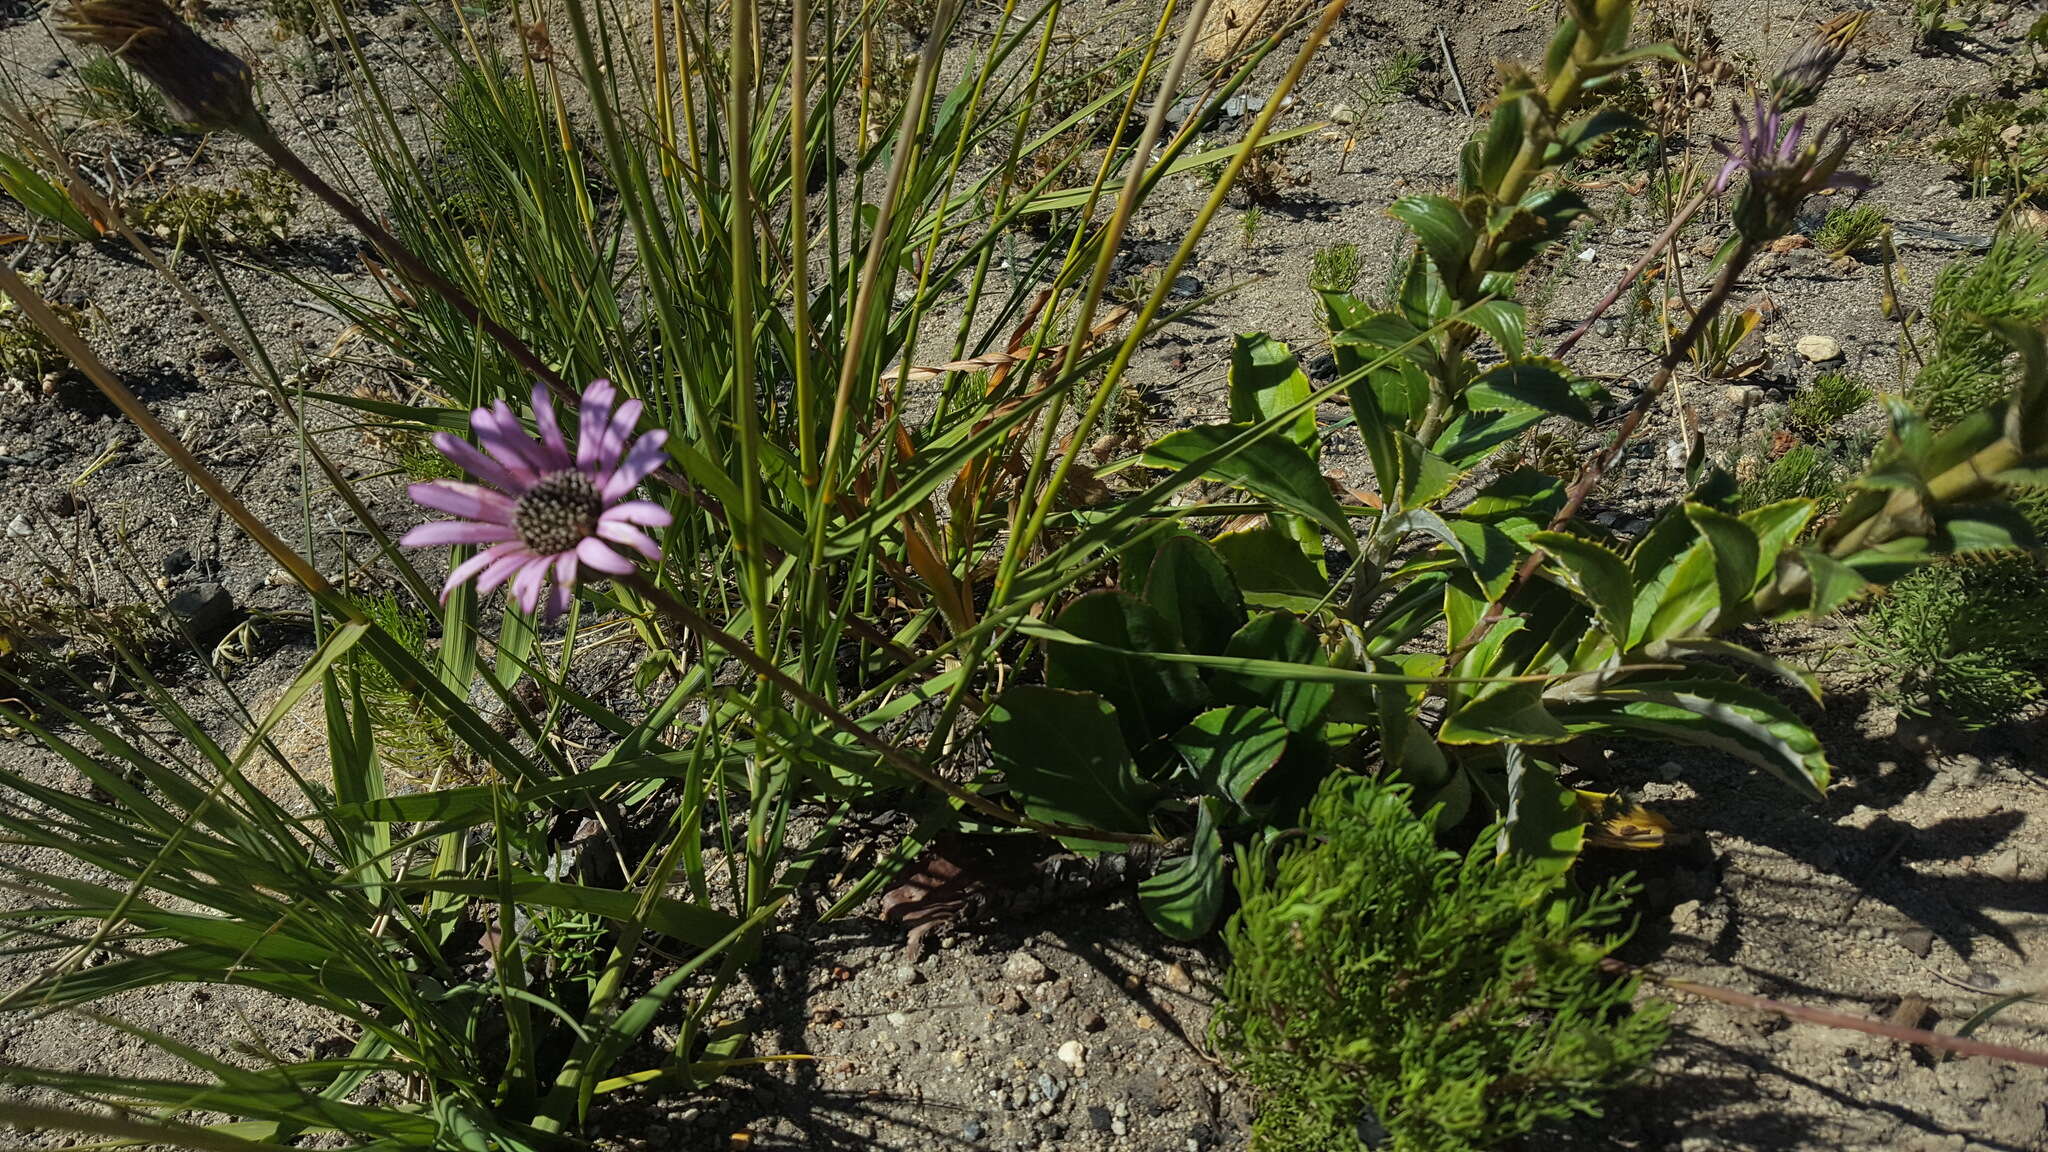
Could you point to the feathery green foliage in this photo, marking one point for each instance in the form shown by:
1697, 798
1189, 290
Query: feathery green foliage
1384, 992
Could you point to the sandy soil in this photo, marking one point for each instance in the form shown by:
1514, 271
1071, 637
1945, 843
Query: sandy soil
1917, 886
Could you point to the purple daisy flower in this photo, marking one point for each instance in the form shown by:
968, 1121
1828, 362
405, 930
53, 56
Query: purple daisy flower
1785, 163
542, 507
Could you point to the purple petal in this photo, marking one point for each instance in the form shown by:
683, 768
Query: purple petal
508, 440
550, 427
639, 464
469, 501
457, 532
526, 586
642, 512
612, 446
473, 565
565, 583
631, 537
466, 457
504, 567
595, 415
593, 552
1728, 171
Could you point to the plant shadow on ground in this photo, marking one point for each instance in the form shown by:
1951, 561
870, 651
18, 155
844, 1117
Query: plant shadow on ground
1699, 1104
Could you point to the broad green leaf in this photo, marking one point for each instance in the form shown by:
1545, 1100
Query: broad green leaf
1542, 819
1266, 380
1987, 527
1538, 384
1596, 574
1717, 713
1446, 235
1184, 898
1473, 436
1190, 586
1270, 569
1503, 713
1776, 527
1269, 467
1834, 583
1737, 557
1230, 749
1425, 476
1277, 636
1504, 320
1677, 599
1150, 697
1062, 755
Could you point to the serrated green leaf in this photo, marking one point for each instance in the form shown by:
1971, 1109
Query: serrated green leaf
1722, 714
1737, 563
1503, 713
1597, 574
1541, 820
1530, 384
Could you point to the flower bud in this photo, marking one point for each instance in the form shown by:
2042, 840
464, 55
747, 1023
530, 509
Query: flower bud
204, 85
1798, 84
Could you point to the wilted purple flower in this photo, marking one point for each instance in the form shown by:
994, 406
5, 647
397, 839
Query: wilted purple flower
540, 506
1785, 165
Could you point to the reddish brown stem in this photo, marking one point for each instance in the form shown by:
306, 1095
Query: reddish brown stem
1657, 246
1961, 1045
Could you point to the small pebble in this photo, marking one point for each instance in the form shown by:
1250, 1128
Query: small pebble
972, 1131
1024, 968
1073, 1054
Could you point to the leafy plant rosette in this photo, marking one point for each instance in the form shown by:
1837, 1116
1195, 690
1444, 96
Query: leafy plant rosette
1461, 626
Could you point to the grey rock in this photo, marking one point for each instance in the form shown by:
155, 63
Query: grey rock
19, 527
2004, 866
1918, 941
206, 611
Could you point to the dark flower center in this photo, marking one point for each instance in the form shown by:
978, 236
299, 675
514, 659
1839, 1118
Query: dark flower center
557, 512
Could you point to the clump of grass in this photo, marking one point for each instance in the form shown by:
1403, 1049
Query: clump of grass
1398, 78
1968, 640
1382, 990
1820, 405
256, 210
1849, 230
1335, 268
1804, 471
1970, 365
108, 91
1248, 225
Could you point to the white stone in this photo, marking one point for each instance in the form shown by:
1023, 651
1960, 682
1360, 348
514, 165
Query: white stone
1818, 349
1073, 1054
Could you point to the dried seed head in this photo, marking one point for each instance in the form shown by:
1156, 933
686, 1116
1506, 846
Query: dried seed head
204, 85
